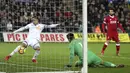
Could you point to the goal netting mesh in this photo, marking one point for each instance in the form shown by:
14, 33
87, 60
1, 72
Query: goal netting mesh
54, 53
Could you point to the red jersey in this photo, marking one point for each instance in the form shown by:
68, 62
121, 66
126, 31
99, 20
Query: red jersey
112, 23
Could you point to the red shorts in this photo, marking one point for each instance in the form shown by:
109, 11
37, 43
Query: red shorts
113, 37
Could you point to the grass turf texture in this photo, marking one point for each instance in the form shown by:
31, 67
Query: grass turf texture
54, 56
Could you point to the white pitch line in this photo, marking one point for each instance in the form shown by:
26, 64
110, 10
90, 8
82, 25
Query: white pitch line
54, 72
31, 66
60, 70
117, 57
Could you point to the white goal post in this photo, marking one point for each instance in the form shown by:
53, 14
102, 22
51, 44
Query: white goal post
84, 18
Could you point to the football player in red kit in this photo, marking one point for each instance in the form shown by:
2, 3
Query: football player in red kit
111, 24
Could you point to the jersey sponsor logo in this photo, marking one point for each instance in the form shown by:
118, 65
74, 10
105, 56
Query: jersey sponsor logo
112, 22
38, 27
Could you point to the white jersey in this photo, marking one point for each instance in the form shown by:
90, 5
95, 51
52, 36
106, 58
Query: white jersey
35, 30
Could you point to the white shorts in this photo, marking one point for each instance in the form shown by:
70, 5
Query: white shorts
32, 42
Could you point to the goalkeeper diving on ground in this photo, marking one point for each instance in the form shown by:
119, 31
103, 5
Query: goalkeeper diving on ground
75, 47
35, 28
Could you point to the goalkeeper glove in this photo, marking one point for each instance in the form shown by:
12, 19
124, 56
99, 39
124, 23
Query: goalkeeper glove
68, 66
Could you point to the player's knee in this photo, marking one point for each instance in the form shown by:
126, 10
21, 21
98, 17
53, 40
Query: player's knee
24, 45
36, 47
106, 43
117, 42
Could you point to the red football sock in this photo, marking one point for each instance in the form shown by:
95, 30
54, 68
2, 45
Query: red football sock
104, 47
117, 48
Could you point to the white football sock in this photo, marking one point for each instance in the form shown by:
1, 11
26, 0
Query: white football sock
37, 52
15, 50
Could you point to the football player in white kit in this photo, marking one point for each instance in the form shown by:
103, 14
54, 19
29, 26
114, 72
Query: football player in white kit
35, 28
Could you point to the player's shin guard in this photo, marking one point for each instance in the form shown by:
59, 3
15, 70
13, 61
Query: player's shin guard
104, 47
37, 52
117, 49
15, 50
109, 64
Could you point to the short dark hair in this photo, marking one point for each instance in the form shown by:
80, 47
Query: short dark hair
110, 8
70, 36
34, 17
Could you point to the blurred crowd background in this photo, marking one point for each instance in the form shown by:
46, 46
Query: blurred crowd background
17, 13
68, 13
98, 9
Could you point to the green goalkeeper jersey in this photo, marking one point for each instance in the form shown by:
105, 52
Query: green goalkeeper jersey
76, 49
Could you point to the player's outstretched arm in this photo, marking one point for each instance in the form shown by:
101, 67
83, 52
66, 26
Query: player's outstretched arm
71, 58
51, 26
21, 29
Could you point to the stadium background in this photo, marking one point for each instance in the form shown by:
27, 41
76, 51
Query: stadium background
17, 13
68, 13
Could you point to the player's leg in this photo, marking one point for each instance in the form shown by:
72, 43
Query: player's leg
97, 61
116, 39
24, 45
111, 65
117, 48
36, 47
108, 64
105, 45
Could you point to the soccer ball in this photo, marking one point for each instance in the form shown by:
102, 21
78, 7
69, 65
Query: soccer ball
21, 50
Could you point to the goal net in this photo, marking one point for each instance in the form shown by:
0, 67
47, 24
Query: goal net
54, 51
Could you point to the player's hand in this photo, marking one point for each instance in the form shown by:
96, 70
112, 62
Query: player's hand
67, 66
57, 24
77, 65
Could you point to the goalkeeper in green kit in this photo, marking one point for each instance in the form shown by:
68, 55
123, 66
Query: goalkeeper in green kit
75, 47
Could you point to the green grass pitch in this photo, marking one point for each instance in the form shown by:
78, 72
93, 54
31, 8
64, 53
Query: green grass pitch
54, 56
